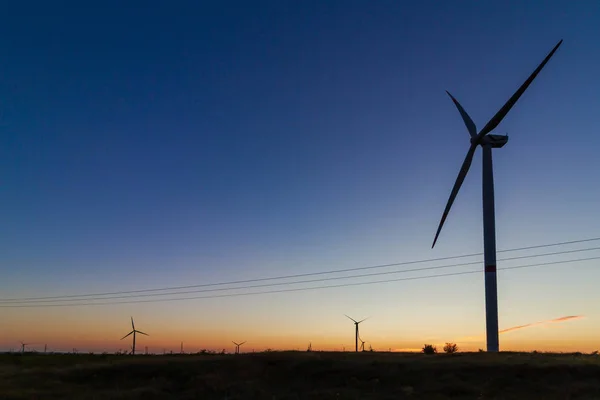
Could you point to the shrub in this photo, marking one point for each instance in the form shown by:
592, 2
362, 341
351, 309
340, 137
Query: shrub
429, 349
450, 348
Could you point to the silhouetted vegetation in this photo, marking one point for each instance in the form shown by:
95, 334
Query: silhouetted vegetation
429, 349
300, 375
450, 348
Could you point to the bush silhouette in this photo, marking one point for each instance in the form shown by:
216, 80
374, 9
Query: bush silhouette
429, 349
450, 348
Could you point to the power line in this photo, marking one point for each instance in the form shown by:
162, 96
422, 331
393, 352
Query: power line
297, 282
295, 275
296, 289
539, 246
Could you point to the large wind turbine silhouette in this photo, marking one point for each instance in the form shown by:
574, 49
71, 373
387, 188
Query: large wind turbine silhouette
133, 331
237, 347
356, 331
488, 142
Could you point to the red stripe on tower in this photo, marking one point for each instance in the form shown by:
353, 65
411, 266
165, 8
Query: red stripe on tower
490, 268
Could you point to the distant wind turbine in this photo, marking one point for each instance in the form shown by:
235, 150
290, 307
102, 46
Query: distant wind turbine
133, 331
23, 346
362, 344
488, 142
237, 347
356, 331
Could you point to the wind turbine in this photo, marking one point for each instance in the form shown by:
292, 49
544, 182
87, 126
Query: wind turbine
356, 331
362, 344
488, 142
237, 347
133, 331
23, 346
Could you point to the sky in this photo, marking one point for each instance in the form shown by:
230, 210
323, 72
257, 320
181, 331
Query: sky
164, 144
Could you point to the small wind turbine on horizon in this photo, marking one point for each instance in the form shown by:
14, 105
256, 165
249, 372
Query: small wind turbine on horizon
356, 331
362, 344
488, 142
23, 346
237, 346
133, 331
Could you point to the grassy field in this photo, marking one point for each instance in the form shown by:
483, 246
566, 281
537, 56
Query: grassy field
301, 375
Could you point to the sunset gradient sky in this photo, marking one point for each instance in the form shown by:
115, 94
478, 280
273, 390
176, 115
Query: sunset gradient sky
148, 144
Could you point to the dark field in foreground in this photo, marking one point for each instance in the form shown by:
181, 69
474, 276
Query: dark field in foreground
297, 375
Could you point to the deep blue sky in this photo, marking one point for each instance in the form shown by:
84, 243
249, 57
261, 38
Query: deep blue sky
156, 143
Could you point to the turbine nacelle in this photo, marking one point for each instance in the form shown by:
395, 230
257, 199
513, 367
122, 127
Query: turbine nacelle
496, 141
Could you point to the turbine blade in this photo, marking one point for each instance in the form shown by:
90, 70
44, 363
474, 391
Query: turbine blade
363, 320
459, 181
242, 342
511, 102
126, 335
132, 325
142, 333
234, 343
468, 121
352, 319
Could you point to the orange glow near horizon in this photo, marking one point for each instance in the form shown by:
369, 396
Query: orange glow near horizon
69, 335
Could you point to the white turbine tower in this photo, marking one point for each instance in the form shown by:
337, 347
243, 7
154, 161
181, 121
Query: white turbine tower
488, 142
